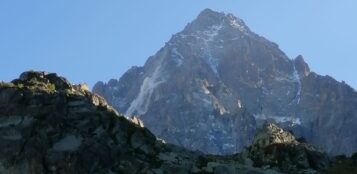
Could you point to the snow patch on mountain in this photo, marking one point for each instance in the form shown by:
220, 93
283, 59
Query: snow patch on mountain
211, 61
205, 38
298, 81
211, 33
141, 103
177, 56
237, 23
208, 38
239, 104
206, 35
205, 90
294, 78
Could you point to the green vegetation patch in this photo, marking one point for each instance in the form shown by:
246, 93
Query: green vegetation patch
51, 87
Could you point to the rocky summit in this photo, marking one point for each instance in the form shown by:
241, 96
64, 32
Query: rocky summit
215, 83
48, 125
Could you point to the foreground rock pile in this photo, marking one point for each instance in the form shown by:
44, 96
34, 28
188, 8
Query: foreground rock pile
278, 149
48, 125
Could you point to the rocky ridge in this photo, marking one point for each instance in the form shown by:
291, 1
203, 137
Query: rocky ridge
48, 125
212, 85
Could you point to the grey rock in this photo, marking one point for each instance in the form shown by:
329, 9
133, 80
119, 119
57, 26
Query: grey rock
215, 83
41, 133
68, 143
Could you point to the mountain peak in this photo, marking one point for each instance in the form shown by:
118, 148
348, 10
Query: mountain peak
211, 15
217, 82
209, 11
209, 18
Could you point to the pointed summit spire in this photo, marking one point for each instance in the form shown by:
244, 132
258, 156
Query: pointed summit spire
208, 18
210, 14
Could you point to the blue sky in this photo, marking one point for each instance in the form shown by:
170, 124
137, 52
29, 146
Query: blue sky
91, 40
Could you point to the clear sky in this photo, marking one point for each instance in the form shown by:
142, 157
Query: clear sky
91, 40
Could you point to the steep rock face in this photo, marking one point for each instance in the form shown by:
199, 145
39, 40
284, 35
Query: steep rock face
48, 125
216, 81
329, 112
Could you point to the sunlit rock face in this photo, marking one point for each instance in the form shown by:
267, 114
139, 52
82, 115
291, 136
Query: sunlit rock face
275, 147
215, 82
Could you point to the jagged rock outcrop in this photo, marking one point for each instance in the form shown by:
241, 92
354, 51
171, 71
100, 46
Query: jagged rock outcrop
214, 83
48, 125
278, 149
